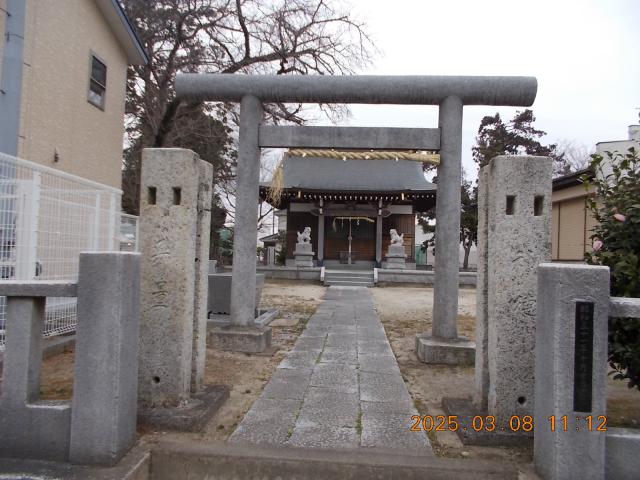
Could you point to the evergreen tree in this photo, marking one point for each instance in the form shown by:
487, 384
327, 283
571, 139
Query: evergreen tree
516, 137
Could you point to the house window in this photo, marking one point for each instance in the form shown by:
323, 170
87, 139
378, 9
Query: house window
97, 83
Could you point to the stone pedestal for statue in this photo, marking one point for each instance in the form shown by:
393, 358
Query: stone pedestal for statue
396, 258
303, 255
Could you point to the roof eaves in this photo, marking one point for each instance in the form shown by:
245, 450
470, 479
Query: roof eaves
611, 141
571, 179
274, 237
124, 31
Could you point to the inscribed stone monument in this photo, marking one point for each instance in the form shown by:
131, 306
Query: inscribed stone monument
174, 246
514, 239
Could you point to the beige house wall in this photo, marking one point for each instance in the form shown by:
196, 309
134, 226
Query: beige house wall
572, 223
56, 118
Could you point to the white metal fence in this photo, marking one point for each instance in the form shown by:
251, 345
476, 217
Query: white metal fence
47, 218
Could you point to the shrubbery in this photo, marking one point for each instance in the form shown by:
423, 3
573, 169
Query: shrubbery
616, 244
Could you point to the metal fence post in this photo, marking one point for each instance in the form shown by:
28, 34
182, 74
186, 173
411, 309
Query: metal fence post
112, 222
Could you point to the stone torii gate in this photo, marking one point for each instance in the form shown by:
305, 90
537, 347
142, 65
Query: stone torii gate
450, 93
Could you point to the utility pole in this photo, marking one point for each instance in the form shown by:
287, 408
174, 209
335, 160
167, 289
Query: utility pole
11, 79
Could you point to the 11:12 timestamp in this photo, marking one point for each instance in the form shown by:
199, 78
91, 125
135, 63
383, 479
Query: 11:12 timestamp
591, 423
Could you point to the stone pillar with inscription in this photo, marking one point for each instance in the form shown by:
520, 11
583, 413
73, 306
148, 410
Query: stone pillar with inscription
174, 224
517, 239
571, 371
514, 237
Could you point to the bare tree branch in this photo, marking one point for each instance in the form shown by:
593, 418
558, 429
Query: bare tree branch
284, 37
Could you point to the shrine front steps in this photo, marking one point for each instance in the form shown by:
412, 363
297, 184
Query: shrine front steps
349, 278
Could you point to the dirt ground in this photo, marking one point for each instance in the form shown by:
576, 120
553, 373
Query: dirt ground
405, 311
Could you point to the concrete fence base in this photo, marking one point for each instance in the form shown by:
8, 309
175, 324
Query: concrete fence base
99, 425
571, 439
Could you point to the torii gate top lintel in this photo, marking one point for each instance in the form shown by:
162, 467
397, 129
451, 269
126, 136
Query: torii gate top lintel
370, 89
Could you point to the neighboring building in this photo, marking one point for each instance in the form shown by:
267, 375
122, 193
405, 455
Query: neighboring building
572, 223
273, 243
351, 206
427, 258
63, 74
619, 146
71, 92
270, 243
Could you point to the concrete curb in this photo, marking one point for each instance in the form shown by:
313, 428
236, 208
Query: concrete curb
197, 461
134, 466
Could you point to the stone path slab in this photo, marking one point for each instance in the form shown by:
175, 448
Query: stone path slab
340, 386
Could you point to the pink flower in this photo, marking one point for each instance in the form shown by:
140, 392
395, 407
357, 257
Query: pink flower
619, 217
597, 245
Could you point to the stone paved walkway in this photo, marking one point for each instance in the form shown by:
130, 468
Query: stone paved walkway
340, 386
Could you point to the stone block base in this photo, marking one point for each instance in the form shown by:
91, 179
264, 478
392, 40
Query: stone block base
303, 255
263, 318
440, 351
192, 417
304, 263
395, 264
503, 435
396, 258
241, 339
304, 260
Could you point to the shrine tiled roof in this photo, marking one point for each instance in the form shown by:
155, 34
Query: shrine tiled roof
328, 174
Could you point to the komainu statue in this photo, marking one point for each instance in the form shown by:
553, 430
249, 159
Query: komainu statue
395, 238
305, 236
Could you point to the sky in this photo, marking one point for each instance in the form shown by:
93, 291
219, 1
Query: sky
585, 55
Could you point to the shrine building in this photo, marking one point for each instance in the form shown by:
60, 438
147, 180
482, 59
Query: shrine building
351, 206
